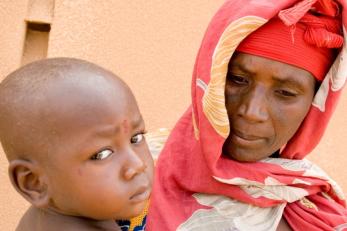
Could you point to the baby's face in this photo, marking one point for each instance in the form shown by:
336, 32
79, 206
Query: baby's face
101, 167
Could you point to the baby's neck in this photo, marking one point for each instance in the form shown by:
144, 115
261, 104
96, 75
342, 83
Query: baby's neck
41, 220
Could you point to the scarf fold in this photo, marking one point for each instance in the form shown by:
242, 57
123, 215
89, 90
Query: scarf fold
196, 188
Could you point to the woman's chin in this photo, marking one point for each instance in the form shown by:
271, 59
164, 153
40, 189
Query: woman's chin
243, 157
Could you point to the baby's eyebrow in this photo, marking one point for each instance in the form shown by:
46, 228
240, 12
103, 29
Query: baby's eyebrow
112, 130
108, 130
137, 122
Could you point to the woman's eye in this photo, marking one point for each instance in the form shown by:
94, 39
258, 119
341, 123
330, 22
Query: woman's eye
102, 155
238, 79
286, 93
137, 138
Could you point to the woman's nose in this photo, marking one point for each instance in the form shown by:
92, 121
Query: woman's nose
253, 106
134, 165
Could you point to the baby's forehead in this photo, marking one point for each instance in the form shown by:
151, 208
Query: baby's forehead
62, 75
55, 68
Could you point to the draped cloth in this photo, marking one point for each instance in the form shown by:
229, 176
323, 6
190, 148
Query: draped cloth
198, 188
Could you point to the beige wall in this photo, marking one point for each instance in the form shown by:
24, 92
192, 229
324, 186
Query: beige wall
150, 44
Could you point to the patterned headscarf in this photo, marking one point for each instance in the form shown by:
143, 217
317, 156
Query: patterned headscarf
198, 188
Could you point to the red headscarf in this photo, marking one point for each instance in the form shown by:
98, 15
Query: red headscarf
306, 45
197, 188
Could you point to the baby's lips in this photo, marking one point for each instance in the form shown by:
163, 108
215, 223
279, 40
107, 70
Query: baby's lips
141, 194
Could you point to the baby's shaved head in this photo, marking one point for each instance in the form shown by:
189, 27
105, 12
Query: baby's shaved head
35, 98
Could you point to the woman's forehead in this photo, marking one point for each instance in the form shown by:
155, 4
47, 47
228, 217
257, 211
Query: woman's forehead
256, 65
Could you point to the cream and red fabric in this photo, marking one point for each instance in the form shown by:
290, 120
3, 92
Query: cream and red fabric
197, 188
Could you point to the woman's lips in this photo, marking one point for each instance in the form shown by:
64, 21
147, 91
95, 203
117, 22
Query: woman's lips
141, 195
246, 139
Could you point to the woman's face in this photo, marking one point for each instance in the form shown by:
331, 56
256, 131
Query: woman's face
266, 101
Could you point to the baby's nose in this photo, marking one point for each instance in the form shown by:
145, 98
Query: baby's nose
134, 165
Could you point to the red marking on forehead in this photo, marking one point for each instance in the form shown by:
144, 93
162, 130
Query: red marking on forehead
79, 172
125, 126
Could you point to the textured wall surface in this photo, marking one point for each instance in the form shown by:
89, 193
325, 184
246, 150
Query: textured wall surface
12, 14
150, 44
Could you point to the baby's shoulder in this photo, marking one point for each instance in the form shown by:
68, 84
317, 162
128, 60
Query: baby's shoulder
38, 220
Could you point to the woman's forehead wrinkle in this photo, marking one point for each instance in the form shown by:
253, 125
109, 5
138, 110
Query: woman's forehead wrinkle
281, 73
242, 65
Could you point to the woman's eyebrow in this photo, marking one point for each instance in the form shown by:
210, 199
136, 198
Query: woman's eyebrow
289, 80
241, 67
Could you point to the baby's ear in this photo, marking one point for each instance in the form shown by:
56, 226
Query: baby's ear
29, 181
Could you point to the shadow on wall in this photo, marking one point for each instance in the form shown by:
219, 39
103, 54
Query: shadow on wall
38, 25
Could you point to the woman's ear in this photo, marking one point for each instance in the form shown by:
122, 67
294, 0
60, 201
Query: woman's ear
29, 181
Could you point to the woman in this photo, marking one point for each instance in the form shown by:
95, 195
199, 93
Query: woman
265, 84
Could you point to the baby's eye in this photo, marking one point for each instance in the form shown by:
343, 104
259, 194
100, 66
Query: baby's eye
137, 138
102, 155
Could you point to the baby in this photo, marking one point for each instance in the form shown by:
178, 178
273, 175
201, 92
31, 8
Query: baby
74, 138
